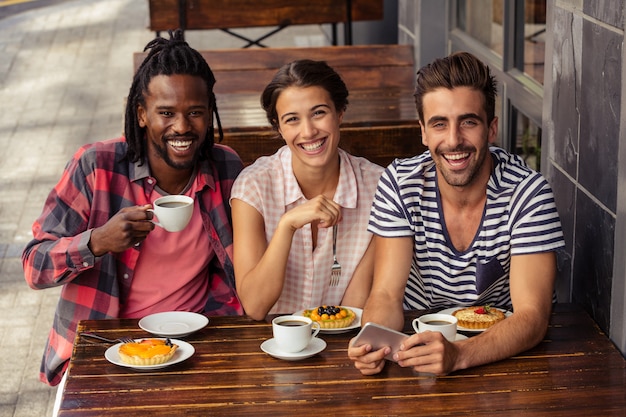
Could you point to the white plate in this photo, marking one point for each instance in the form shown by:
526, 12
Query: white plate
184, 351
173, 323
465, 329
316, 346
355, 324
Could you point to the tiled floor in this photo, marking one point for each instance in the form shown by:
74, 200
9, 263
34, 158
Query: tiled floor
64, 73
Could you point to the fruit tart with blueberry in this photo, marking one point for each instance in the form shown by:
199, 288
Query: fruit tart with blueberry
331, 317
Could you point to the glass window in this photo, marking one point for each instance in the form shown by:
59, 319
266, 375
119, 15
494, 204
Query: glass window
501, 122
510, 36
534, 38
486, 21
482, 20
527, 140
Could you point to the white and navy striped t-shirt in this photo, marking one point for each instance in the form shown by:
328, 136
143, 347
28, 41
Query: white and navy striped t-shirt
520, 218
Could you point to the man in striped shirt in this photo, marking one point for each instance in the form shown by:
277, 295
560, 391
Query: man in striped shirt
463, 224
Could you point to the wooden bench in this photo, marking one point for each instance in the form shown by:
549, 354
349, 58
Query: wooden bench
228, 14
360, 66
380, 144
379, 124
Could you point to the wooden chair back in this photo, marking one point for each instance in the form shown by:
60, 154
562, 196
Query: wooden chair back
220, 14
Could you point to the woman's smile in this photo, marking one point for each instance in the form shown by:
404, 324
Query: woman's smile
313, 146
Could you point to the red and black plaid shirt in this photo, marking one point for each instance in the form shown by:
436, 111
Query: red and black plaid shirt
95, 185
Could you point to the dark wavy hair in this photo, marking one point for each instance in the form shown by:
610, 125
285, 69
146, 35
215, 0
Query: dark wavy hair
303, 73
460, 69
167, 57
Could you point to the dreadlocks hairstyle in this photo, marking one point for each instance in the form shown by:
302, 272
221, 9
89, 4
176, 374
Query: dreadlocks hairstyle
166, 57
460, 69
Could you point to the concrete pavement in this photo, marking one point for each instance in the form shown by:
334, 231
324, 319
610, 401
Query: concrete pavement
65, 70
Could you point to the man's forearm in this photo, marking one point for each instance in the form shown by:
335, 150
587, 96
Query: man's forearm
381, 309
516, 334
50, 263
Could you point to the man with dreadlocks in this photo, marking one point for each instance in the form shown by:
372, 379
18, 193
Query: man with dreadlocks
95, 237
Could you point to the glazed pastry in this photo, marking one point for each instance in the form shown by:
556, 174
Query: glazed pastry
147, 352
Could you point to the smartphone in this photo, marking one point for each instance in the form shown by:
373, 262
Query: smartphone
380, 336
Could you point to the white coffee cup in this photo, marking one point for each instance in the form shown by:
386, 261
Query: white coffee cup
172, 212
442, 323
294, 333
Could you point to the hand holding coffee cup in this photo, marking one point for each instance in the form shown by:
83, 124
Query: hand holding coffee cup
172, 212
294, 333
442, 323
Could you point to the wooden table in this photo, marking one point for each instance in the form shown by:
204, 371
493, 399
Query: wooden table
575, 371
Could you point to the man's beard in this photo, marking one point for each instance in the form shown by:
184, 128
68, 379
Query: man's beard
161, 150
466, 178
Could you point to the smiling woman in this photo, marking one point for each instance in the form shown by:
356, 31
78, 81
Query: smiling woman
285, 205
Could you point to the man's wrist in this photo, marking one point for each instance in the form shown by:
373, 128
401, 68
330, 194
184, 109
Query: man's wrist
93, 246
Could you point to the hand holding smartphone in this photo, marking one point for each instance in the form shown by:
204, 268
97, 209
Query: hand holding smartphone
380, 336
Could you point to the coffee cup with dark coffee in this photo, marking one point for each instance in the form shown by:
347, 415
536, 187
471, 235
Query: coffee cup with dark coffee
172, 212
294, 333
442, 323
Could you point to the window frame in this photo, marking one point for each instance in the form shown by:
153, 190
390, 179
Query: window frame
518, 91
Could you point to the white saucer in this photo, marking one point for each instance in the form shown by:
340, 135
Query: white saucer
465, 329
173, 323
184, 352
460, 336
316, 346
355, 324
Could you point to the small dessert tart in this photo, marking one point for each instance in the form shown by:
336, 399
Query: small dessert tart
147, 352
331, 317
479, 317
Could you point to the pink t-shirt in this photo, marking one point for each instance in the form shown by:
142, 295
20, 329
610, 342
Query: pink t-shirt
172, 270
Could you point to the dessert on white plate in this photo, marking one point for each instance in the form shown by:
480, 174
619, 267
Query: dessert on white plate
338, 325
462, 322
183, 352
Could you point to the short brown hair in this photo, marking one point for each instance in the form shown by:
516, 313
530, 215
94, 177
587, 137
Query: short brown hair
460, 69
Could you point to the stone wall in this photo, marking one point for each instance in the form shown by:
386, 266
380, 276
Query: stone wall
583, 124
